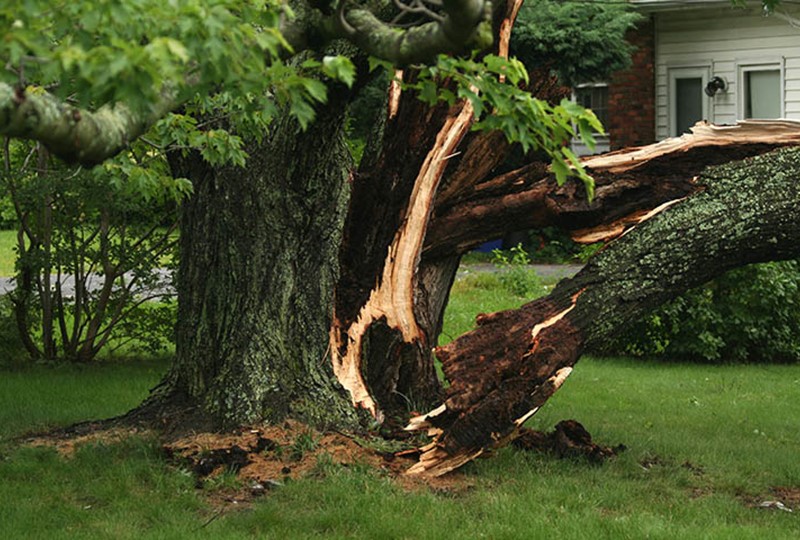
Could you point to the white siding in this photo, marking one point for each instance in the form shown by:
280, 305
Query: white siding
723, 39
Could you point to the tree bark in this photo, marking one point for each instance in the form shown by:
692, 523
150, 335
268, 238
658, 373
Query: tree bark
504, 371
258, 266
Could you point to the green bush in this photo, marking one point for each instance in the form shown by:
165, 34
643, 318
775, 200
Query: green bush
751, 314
553, 245
90, 246
580, 41
515, 275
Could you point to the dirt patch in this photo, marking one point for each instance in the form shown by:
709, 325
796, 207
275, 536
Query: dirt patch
67, 445
234, 468
267, 457
782, 498
790, 496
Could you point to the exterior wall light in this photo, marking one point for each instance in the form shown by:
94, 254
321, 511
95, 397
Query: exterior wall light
716, 84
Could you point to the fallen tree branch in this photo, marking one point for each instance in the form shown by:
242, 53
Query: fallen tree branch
501, 373
627, 182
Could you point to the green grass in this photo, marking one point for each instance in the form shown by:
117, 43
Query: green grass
714, 437
36, 397
8, 241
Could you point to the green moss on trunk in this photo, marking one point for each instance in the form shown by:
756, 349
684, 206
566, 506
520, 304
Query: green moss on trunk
259, 263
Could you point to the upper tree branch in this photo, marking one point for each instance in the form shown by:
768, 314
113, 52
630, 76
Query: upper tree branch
455, 32
73, 134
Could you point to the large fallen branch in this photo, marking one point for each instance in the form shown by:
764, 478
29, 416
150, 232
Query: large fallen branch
502, 372
628, 183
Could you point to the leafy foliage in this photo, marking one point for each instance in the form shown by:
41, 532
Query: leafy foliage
221, 59
751, 314
89, 244
495, 88
515, 275
582, 42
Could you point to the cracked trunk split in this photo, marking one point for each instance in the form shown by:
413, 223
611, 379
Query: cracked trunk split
431, 191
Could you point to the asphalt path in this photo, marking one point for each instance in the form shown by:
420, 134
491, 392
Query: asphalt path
557, 271
544, 270
95, 282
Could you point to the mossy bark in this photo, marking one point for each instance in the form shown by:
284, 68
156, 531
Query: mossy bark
259, 261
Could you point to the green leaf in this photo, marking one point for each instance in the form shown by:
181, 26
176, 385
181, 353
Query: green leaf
316, 89
339, 68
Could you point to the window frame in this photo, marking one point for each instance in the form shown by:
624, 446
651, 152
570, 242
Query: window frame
602, 140
745, 66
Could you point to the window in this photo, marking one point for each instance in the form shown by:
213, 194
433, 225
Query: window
761, 91
595, 97
688, 104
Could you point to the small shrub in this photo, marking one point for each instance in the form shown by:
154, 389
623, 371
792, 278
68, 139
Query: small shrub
515, 275
90, 248
751, 314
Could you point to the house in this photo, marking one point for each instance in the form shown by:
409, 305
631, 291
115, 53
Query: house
698, 60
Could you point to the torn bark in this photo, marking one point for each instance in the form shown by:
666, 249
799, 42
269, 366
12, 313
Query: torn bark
501, 373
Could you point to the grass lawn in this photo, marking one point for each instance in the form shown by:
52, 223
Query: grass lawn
704, 443
8, 241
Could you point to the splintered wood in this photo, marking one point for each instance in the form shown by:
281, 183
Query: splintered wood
751, 132
392, 299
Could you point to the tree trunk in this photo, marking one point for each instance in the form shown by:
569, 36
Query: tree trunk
504, 371
258, 265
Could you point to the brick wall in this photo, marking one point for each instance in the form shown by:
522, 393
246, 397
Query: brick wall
631, 93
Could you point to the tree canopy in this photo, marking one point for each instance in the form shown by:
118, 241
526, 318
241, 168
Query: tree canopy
87, 79
581, 41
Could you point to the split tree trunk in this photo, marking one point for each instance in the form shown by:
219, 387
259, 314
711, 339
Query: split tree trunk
388, 307
503, 372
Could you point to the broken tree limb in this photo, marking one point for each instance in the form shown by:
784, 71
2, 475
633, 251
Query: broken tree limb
627, 182
501, 373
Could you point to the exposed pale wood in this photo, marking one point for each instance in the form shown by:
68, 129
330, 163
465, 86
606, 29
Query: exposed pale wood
395, 91
504, 38
605, 233
772, 132
392, 300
